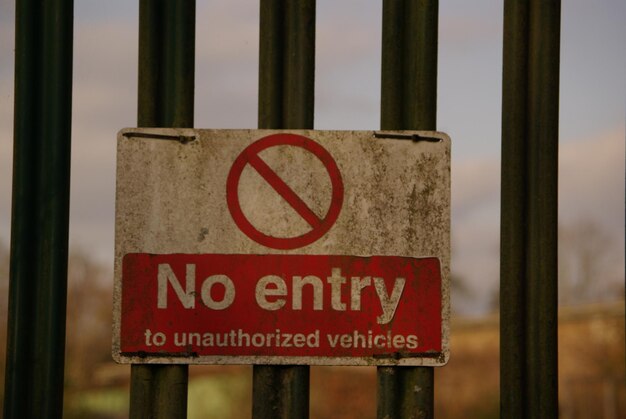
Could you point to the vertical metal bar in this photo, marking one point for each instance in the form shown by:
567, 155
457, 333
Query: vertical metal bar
165, 99
24, 233
54, 208
541, 318
286, 92
514, 196
166, 66
158, 391
408, 101
179, 61
409, 64
529, 384
286, 64
405, 392
40, 213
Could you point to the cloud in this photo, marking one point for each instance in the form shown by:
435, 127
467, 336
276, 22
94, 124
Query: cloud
475, 184
592, 179
347, 87
591, 190
227, 44
6, 122
470, 24
475, 229
104, 101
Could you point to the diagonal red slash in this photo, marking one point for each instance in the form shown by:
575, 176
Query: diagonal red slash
284, 190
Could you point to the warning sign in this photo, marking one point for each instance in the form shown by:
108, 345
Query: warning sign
301, 306
282, 247
318, 226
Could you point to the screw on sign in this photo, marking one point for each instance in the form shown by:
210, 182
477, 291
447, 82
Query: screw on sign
319, 225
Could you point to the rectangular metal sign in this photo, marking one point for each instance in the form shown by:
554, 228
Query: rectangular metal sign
282, 247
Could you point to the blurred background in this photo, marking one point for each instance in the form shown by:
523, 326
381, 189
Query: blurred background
591, 201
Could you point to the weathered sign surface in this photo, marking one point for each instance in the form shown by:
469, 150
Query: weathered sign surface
282, 247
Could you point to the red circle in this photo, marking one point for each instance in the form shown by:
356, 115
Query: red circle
252, 151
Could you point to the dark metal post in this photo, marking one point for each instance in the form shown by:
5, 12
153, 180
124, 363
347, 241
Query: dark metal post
286, 91
542, 280
528, 295
286, 64
513, 211
165, 99
408, 101
40, 213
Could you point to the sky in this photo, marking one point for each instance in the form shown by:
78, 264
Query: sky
348, 49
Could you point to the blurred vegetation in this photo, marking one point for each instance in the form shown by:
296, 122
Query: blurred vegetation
592, 380
89, 319
589, 264
4, 300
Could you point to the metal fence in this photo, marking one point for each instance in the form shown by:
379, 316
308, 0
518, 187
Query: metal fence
34, 377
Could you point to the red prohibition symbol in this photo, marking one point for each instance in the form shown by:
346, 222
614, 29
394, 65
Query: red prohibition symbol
250, 155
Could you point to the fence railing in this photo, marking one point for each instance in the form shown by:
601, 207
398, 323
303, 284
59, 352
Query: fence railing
35, 348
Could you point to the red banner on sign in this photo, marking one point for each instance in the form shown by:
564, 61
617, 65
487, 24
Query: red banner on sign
277, 306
